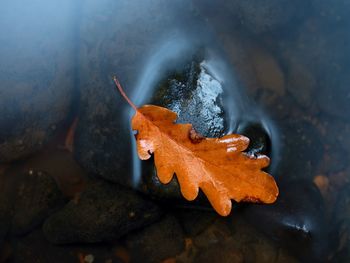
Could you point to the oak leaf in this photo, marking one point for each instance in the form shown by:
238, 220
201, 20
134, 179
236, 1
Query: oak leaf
218, 166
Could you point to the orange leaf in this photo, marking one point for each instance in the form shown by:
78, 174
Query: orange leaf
218, 166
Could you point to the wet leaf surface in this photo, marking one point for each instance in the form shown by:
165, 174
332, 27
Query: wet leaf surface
217, 166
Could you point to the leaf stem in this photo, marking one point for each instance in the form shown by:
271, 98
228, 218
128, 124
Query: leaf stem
119, 86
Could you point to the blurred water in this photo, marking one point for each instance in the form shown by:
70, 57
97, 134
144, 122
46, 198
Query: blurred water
282, 64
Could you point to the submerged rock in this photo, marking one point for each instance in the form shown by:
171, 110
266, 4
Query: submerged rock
336, 136
190, 77
194, 221
235, 240
27, 199
322, 54
301, 83
335, 12
268, 71
35, 248
36, 74
120, 37
160, 241
38, 196
7, 194
302, 150
103, 212
341, 232
257, 16
296, 221
224, 253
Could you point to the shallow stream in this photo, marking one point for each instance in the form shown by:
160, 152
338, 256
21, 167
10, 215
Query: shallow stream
72, 188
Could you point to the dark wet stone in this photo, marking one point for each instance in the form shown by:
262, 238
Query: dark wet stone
7, 195
195, 221
151, 185
224, 253
340, 236
108, 47
296, 221
189, 89
35, 248
167, 194
103, 212
302, 150
162, 240
217, 232
191, 78
235, 240
255, 246
5, 252
59, 164
36, 74
26, 200
37, 197
196, 96
260, 142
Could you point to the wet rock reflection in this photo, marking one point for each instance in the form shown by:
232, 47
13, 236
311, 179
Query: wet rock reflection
26, 200
98, 214
170, 241
197, 98
275, 71
296, 221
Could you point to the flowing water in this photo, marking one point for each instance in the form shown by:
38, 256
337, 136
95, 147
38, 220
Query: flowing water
72, 188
